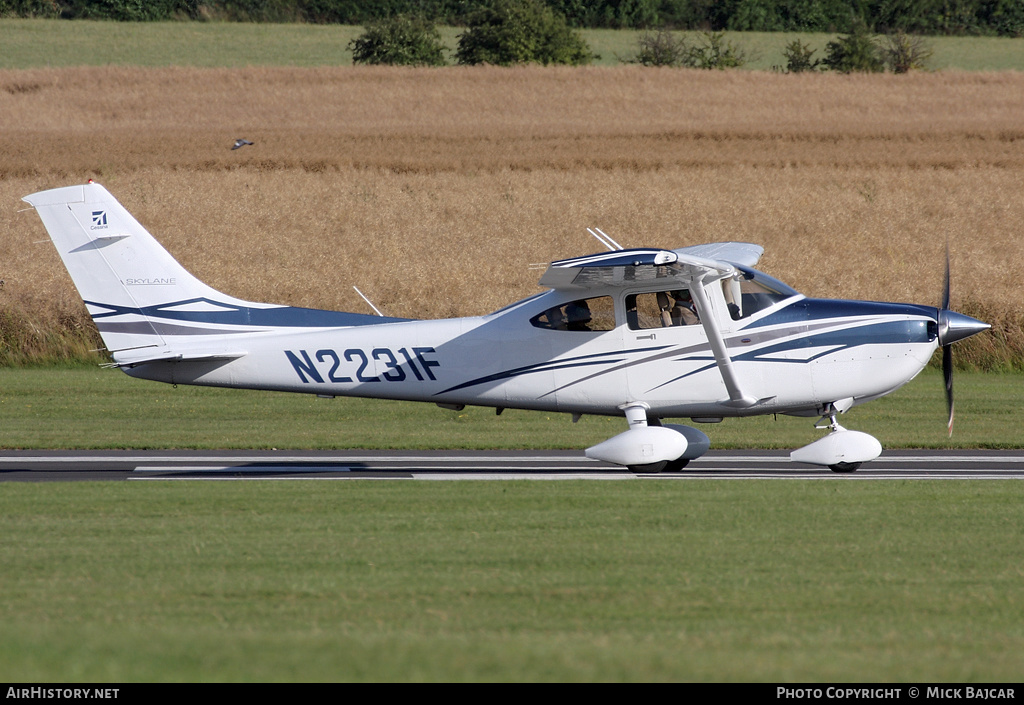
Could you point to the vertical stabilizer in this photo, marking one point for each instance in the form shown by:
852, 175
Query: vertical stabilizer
120, 270
146, 306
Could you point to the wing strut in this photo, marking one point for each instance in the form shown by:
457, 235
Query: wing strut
707, 319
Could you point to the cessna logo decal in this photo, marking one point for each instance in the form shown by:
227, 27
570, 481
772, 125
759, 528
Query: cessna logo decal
99, 220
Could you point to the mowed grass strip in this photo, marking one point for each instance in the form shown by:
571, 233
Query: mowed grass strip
93, 408
837, 581
38, 43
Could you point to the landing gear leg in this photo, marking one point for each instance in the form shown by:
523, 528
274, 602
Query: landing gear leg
833, 426
840, 450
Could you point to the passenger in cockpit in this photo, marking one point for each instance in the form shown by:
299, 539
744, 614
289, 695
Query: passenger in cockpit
556, 321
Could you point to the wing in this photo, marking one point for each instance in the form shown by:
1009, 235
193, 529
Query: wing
746, 254
676, 268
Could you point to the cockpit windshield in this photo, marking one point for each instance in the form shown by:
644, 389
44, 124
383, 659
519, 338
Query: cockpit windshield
753, 291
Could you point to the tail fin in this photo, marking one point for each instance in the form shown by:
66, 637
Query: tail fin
146, 306
120, 270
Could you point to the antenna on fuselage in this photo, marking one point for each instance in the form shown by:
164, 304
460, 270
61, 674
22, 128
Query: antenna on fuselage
368, 301
604, 239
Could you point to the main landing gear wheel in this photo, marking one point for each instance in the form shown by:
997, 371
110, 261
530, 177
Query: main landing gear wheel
844, 467
648, 467
664, 466
676, 465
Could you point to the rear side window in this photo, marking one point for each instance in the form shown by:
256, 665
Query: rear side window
593, 314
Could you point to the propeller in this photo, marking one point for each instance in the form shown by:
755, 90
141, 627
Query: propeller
952, 327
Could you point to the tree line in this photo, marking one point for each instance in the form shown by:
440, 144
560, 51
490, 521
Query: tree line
508, 32
930, 17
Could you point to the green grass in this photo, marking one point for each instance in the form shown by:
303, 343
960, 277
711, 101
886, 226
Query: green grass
83, 407
471, 581
512, 581
38, 43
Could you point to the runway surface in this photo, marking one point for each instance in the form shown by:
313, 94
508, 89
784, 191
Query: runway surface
63, 466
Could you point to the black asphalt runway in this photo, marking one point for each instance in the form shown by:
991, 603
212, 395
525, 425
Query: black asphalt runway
63, 466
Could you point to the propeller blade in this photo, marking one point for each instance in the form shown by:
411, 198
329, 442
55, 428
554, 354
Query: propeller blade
945, 286
947, 375
952, 327
947, 349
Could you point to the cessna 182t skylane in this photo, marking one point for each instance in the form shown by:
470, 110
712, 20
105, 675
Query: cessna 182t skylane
647, 334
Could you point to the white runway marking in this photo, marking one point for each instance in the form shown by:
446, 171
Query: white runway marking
524, 476
275, 458
482, 465
291, 469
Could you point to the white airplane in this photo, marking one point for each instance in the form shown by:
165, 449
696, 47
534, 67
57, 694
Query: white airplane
647, 334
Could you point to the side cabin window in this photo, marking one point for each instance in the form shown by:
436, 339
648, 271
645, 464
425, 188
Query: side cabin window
753, 291
660, 310
594, 314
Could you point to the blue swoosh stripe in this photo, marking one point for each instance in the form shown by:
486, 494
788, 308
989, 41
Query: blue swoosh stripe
282, 316
611, 357
888, 333
819, 309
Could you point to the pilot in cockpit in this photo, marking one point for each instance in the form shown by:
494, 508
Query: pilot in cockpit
684, 313
677, 308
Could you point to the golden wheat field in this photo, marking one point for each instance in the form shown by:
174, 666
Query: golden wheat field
435, 190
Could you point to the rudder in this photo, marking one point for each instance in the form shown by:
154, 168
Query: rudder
119, 269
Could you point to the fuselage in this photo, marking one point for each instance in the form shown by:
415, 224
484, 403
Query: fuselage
643, 333
793, 354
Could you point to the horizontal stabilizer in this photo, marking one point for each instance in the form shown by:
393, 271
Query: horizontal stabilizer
139, 357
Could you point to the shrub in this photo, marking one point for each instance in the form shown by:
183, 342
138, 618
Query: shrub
854, 52
399, 40
715, 52
664, 48
510, 32
904, 53
799, 58
660, 48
